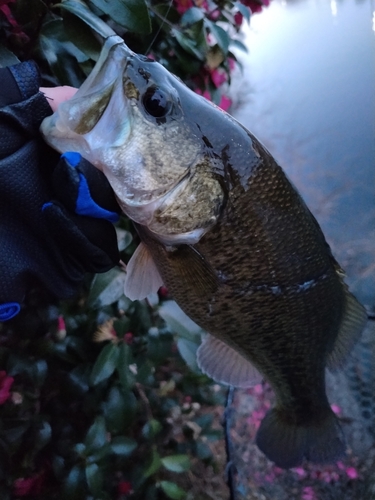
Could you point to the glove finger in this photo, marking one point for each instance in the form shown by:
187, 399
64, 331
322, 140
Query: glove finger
83, 189
92, 242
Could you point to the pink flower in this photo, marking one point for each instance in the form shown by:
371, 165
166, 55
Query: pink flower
218, 77
255, 5
308, 493
16, 28
232, 63
23, 487
258, 389
163, 292
183, 5
225, 103
61, 328
351, 472
128, 337
205, 94
215, 14
124, 488
300, 471
238, 18
5, 385
336, 409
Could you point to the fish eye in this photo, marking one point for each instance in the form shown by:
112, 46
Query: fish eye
156, 102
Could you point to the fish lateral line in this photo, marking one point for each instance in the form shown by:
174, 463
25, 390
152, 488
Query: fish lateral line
278, 289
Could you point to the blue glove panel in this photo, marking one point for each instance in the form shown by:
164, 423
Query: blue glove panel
9, 310
85, 204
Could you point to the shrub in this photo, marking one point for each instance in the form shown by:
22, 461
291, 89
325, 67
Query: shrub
101, 398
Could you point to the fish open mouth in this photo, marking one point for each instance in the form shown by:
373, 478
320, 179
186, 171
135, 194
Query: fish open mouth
79, 117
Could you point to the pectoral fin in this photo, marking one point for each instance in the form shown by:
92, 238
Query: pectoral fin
142, 275
352, 325
193, 270
225, 365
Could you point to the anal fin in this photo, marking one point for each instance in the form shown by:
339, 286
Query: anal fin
222, 363
142, 275
352, 325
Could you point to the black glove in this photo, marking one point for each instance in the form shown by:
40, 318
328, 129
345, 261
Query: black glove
54, 222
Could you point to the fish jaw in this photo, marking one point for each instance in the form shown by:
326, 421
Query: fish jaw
76, 124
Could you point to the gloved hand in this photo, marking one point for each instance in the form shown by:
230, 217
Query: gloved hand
55, 221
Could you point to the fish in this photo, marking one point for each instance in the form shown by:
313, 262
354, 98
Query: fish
223, 228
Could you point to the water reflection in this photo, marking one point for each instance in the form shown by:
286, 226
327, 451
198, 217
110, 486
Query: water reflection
311, 100
334, 8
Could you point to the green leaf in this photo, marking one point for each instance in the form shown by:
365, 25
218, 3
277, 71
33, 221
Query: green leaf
106, 288
79, 379
124, 238
115, 410
188, 351
74, 485
176, 463
239, 45
7, 58
123, 446
155, 464
42, 436
245, 11
131, 14
151, 428
203, 451
82, 36
97, 435
172, 490
61, 54
81, 10
14, 434
94, 478
192, 46
179, 322
105, 364
39, 371
191, 16
98, 455
125, 359
58, 464
222, 37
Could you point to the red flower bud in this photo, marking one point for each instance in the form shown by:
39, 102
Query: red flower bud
128, 337
124, 488
5, 385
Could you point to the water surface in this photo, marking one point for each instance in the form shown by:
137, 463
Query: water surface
309, 96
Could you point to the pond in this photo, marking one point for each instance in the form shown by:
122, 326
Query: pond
310, 98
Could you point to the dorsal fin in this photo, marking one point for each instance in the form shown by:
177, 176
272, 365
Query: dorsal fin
352, 325
225, 365
142, 276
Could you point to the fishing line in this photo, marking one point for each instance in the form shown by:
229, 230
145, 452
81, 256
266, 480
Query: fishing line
160, 27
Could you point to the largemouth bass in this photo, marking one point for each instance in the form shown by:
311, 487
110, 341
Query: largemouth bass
223, 228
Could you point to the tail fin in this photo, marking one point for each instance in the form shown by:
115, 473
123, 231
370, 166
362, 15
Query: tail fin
287, 444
